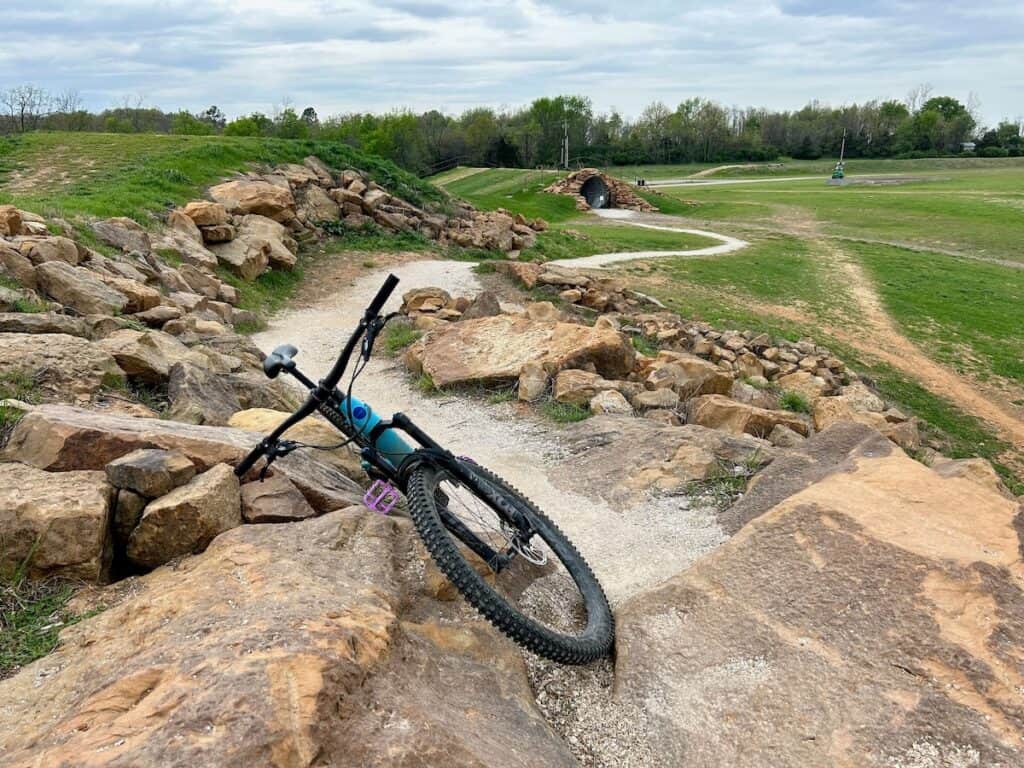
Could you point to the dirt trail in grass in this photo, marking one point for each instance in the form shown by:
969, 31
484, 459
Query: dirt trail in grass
878, 335
458, 175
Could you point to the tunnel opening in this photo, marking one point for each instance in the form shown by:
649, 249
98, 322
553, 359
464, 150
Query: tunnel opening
596, 193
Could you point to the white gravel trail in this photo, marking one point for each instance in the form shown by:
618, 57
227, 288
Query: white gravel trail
599, 260
629, 551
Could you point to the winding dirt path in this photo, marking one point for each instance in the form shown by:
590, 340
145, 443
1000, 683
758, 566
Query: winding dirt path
633, 219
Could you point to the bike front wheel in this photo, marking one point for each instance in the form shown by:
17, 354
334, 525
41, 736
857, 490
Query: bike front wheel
543, 595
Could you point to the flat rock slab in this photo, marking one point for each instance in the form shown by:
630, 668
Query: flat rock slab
624, 459
58, 437
497, 348
64, 365
870, 613
57, 522
274, 500
281, 645
150, 472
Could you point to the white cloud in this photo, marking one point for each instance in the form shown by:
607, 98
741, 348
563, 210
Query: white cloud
346, 55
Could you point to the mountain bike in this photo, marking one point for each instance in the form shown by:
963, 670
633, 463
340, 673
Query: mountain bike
503, 554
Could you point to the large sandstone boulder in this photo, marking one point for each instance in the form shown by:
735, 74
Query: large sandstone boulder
256, 196
315, 206
145, 355
246, 256
315, 431
497, 348
43, 322
140, 297
688, 375
40, 250
54, 523
17, 266
281, 244
10, 221
120, 232
191, 251
187, 519
624, 459
58, 438
200, 396
577, 387
281, 645
205, 213
79, 289
869, 614
719, 412
60, 365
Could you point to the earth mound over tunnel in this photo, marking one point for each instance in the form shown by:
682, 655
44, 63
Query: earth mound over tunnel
594, 189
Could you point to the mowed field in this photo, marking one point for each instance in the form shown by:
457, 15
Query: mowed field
913, 271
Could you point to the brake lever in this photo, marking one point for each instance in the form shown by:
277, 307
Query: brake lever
373, 329
274, 452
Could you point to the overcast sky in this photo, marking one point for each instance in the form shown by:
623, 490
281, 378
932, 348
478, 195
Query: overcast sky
347, 55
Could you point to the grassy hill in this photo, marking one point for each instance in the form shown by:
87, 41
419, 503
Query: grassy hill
138, 175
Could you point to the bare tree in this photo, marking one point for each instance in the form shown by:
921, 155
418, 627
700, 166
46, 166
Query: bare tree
917, 96
64, 107
974, 107
26, 105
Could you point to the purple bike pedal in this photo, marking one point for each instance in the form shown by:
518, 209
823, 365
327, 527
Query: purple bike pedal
381, 497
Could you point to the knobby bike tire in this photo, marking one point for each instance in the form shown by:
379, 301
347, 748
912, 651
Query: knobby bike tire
594, 642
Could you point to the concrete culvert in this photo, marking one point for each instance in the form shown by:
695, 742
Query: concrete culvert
596, 192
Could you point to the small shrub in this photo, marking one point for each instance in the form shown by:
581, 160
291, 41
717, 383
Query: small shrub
485, 268
29, 306
795, 402
564, 413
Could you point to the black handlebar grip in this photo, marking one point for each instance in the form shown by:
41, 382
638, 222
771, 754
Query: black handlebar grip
382, 296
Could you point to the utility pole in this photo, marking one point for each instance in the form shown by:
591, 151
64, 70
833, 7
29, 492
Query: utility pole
565, 144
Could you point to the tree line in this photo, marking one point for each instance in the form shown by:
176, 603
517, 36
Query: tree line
697, 130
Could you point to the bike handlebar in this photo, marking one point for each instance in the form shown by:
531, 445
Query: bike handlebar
328, 383
381, 298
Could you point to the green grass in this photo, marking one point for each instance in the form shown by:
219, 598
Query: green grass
32, 614
564, 413
267, 294
139, 175
398, 336
645, 345
776, 268
519, 191
15, 384
822, 167
976, 212
795, 402
967, 314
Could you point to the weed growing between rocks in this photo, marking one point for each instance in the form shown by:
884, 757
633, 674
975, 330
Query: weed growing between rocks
398, 335
795, 402
644, 345
15, 385
564, 413
726, 484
